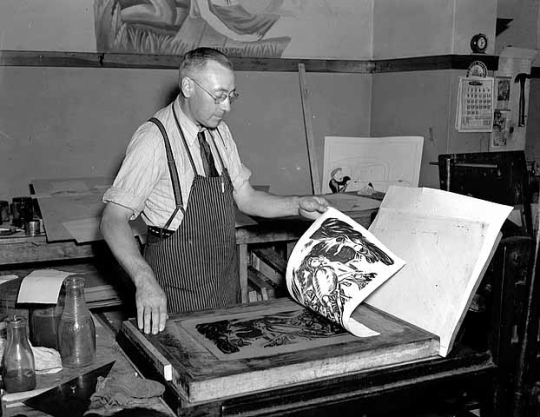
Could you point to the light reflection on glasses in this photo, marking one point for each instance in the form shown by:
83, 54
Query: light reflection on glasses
232, 96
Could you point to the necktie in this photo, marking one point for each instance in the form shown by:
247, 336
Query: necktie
206, 156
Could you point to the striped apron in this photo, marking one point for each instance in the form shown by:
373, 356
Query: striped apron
196, 265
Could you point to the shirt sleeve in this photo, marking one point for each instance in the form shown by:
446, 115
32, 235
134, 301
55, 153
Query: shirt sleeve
141, 170
238, 172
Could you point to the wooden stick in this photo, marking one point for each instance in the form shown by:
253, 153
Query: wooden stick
160, 363
306, 107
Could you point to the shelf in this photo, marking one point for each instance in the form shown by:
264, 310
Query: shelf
113, 60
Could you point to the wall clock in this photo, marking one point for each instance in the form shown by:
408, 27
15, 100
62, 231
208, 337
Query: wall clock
479, 43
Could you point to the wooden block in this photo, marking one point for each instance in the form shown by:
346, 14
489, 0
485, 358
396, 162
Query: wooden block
257, 346
272, 266
252, 294
272, 259
161, 363
261, 283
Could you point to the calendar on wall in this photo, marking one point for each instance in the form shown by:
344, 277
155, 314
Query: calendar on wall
475, 104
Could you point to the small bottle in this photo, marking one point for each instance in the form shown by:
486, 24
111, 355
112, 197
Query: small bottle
76, 330
18, 367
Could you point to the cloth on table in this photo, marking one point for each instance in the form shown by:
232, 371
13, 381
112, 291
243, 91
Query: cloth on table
47, 360
120, 392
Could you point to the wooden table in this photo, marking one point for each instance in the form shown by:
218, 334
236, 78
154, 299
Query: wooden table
107, 350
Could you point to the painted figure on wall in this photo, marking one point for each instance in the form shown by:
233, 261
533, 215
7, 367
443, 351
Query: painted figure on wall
338, 182
236, 27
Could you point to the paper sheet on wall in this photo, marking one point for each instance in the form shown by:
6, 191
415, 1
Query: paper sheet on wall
335, 265
366, 165
475, 104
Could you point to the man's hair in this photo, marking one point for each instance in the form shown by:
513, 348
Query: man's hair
195, 60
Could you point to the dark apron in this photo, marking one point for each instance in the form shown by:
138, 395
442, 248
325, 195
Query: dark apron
197, 266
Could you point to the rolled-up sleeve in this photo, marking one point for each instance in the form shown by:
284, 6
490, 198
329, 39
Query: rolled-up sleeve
141, 170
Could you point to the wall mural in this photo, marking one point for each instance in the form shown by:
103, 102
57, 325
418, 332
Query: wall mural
236, 27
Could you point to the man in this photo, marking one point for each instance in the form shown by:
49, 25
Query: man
182, 172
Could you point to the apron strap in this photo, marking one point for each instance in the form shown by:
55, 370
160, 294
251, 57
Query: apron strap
172, 171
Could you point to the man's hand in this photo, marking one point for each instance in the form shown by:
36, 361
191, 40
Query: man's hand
312, 207
151, 308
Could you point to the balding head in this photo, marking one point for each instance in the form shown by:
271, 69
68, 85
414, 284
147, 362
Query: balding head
195, 61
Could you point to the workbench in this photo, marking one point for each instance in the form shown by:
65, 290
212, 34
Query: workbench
107, 350
477, 371
19, 249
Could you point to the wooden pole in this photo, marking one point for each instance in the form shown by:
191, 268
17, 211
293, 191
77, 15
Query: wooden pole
306, 108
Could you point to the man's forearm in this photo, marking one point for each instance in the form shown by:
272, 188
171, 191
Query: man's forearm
268, 205
123, 245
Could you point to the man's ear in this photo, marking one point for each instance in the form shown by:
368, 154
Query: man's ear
186, 86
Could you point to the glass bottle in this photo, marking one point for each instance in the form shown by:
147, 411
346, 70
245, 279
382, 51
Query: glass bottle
18, 367
76, 330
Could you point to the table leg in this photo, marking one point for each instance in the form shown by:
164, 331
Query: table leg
243, 270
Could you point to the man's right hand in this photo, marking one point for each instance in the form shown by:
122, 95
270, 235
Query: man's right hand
151, 305
149, 297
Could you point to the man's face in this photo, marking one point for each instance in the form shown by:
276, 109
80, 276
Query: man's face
200, 105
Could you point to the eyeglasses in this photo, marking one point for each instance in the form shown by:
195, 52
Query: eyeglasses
233, 95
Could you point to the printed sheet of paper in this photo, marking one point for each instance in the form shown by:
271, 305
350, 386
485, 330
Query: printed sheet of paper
335, 265
374, 163
448, 240
42, 286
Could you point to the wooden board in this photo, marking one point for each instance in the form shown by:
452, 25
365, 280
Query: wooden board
247, 348
71, 209
70, 200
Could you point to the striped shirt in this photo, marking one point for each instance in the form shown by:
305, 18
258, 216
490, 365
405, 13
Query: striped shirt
143, 183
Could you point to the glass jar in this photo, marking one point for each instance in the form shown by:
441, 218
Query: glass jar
23, 210
44, 321
18, 367
76, 330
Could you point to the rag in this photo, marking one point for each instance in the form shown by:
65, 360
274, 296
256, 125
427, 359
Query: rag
120, 392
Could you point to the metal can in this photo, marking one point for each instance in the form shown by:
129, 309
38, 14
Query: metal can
23, 210
4, 211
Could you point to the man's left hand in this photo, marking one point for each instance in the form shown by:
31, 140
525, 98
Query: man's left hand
312, 207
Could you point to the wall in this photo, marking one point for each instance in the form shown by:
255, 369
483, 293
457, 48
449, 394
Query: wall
524, 32
76, 122
436, 27
68, 122
423, 103
343, 27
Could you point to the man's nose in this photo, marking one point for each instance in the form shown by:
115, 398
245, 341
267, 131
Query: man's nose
226, 104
